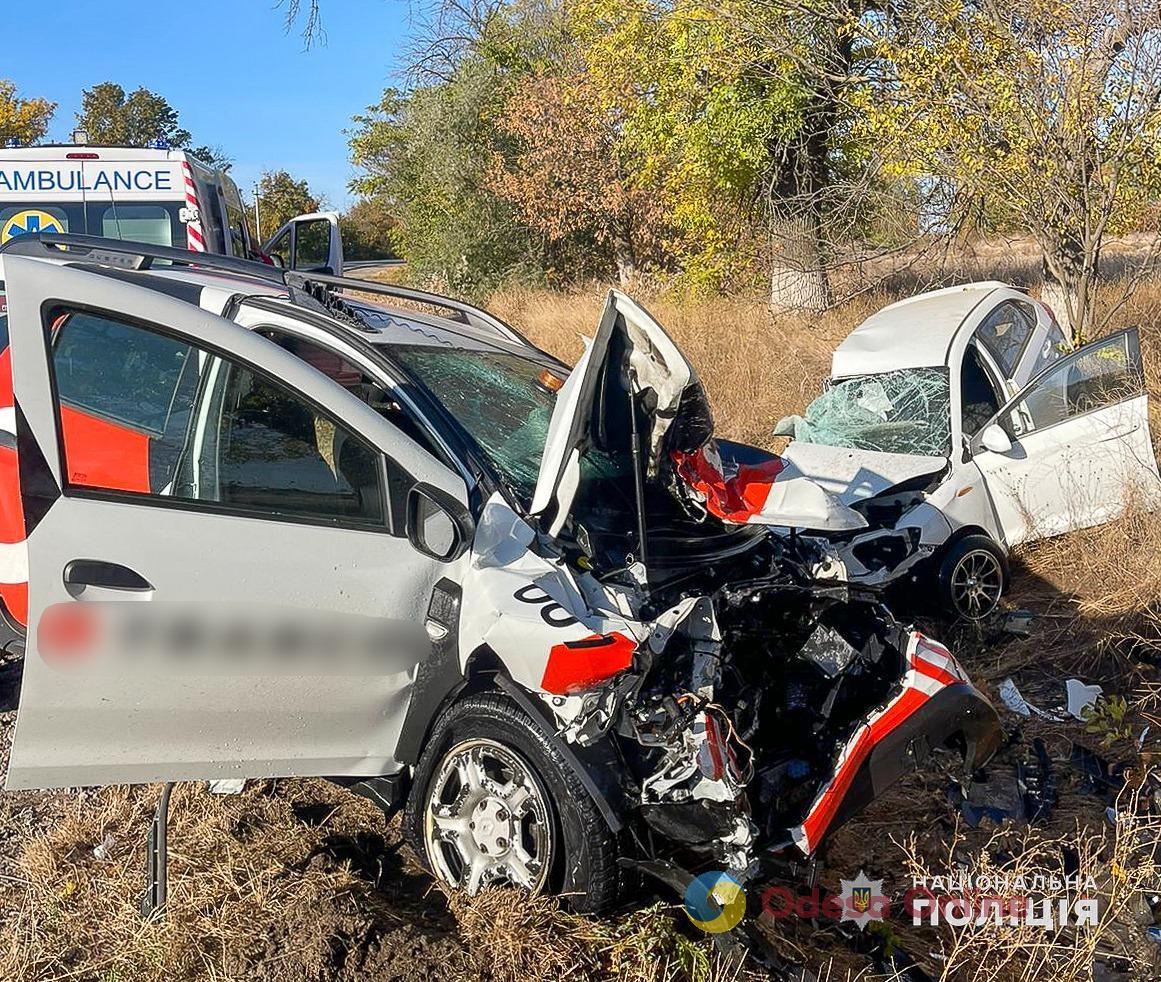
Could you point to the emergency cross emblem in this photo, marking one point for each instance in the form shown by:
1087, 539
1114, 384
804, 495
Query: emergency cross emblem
28, 222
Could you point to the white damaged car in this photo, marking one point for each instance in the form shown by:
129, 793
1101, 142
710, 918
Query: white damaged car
274, 530
959, 424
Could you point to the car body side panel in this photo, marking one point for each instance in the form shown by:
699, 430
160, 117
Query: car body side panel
93, 721
532, 612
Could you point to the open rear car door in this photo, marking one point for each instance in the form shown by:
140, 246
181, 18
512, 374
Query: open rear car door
1080, 444
309, 243
223, 582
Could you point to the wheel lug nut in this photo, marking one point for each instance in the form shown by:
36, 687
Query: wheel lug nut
501, 814
502, 843
483, 848
471, 825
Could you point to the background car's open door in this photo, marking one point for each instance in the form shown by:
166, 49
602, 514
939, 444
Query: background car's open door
233, 521
1081, 448
309, 243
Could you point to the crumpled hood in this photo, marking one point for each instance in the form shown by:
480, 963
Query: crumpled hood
855, 475
631, 352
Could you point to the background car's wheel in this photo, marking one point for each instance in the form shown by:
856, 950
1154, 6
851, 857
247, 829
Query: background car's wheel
972, 577
494, 802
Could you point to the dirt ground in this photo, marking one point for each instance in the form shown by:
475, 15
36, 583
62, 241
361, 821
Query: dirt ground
297, 880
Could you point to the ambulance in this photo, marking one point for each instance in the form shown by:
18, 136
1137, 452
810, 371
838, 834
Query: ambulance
154, 195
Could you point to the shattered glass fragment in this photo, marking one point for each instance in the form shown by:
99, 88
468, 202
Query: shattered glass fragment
829, 650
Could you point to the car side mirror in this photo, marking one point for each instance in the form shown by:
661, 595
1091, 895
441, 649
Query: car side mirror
437, 524
994, 438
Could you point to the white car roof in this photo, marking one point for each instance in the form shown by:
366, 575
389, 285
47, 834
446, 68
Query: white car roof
913, 333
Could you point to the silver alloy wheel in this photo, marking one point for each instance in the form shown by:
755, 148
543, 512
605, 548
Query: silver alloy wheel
976, 584
486, 820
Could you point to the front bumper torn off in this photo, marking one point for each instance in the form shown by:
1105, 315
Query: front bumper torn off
935, 705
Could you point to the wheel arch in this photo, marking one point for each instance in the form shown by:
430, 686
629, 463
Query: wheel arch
962, 532
445, 683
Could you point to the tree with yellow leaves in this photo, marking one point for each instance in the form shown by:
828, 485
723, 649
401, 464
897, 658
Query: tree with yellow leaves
23, 120
1043, 115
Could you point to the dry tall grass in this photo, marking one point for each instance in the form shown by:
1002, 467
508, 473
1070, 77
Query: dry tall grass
297, 881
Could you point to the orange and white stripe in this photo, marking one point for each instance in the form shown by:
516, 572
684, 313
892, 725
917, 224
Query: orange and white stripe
195, 238
930, 668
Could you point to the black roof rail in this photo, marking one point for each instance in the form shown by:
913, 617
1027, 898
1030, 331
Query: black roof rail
141, 256
467, 314
132, 255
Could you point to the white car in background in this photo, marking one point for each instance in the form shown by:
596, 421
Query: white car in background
960, 424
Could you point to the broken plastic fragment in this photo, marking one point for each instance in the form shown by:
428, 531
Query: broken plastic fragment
574, 666
1038, 784
996, 799
1081, 697
1018, 704
1019, 622
229, 785
1013, 700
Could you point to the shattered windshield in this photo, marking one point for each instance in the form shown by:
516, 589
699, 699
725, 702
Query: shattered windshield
504, 401
906, 411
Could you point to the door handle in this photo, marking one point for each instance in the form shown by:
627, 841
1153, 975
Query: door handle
81, 575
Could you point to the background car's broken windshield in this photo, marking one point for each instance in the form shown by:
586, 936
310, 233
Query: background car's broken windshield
906, 411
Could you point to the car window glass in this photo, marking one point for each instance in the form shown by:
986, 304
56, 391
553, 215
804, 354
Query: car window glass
138, 223
1004, 332
236, 217
1098, 375
277, 453
503, 401
279, 249
978, 399
904, 411
1054, 347
143, 412
312, 244
117, 372
358, 383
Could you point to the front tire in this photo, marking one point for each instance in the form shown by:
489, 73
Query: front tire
973, 575
494, 802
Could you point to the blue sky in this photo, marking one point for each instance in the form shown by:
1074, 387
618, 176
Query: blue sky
229, 68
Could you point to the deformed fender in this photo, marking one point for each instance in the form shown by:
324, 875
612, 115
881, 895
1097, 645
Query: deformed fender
595, 765
934, 528
436, 679
959, 709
